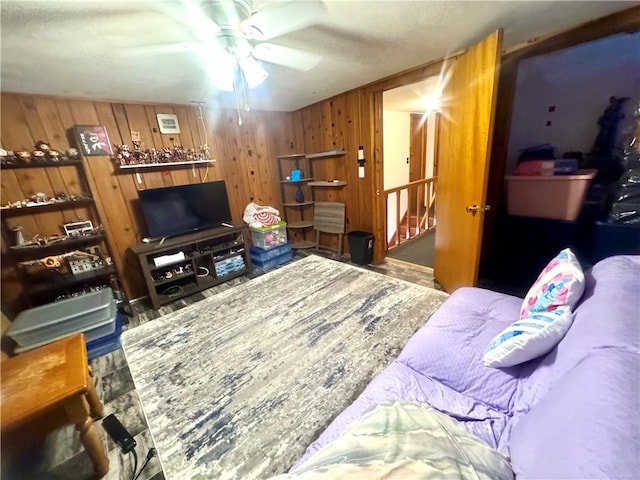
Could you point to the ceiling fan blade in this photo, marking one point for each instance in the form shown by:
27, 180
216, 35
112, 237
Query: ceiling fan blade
275, 21
286, 56
189, 14
165, 48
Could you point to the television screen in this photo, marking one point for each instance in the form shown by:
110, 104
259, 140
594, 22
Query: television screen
171, 211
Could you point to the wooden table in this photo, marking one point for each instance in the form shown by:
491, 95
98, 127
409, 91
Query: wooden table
51, 385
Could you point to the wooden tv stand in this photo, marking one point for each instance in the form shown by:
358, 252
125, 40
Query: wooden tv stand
210, 257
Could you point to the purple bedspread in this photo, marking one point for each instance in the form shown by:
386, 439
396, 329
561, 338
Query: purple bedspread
573, 413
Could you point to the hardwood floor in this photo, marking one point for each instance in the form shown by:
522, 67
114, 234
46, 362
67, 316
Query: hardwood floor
62, 456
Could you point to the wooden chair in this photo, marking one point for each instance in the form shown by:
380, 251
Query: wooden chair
329, 217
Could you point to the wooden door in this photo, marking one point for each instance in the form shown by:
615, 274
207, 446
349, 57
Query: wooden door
417, 147
417, 161
466, 130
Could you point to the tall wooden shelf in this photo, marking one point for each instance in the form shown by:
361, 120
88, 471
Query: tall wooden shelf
299, 215
47, 285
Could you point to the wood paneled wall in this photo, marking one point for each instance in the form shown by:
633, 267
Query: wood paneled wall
340, 122
245, 160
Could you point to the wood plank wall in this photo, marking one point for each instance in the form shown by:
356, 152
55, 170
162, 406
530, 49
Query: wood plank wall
245, 160
342, 121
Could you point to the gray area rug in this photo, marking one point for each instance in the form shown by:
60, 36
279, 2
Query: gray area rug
239, 384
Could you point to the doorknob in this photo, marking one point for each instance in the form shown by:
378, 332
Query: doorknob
473, 209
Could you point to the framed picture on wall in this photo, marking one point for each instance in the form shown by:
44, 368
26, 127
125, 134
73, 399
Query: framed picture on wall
168, 123
92, 140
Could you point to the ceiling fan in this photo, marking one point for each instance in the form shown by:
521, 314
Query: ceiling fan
232, 36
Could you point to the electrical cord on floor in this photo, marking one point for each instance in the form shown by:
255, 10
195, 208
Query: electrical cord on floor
150, 455
135, 463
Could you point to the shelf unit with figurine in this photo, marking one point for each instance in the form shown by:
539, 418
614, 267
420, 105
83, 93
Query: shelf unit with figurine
50, 265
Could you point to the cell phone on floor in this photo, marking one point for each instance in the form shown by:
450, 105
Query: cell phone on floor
118, 433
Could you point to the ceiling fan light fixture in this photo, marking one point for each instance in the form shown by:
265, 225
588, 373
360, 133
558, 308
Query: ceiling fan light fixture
253, 73
221, 77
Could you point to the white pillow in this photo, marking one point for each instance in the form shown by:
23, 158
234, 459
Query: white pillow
545, 315
528, 338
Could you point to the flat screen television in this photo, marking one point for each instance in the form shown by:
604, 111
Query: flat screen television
171, 211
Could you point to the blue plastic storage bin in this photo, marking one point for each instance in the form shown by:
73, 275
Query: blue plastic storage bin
107, 343
261, 255
274, 262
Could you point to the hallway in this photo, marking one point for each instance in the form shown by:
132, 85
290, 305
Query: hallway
419, 251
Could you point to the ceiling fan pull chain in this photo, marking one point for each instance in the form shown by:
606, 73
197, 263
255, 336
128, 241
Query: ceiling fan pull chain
243, 81
244, 91
235, 90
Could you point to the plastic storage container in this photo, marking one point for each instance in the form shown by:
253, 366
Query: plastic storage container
56, 319
104, 327
107, 343
274, 261
229, 265
269, 237
261, 255
559, 197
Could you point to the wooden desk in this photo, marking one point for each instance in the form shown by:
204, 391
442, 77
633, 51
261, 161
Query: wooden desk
49, 383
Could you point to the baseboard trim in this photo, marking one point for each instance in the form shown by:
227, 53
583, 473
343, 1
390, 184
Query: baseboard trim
408, 264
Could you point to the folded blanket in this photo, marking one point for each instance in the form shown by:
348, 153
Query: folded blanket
404, 441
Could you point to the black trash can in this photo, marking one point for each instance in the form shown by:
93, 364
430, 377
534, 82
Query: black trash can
361, 247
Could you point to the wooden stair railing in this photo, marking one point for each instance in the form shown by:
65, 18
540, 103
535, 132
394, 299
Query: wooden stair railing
419, 217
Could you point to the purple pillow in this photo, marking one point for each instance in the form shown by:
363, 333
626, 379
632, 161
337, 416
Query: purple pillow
449, 347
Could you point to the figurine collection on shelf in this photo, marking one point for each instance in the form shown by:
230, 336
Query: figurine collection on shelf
151, 156
75, 262
71, 232
42, 154
38, 199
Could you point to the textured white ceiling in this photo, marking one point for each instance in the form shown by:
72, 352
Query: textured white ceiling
85, 48
414, 98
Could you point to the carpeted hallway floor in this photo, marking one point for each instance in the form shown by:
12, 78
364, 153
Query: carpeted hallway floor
420, 251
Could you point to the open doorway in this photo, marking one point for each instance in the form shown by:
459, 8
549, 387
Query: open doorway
410, 138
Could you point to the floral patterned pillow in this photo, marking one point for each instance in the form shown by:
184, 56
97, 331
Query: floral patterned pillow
560, 283
545, 316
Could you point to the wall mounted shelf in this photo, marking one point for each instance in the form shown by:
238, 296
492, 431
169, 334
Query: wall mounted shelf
297, 204
327, 183
62, 163
304, 244
297, 182
328, 153
300, 224
163, 165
